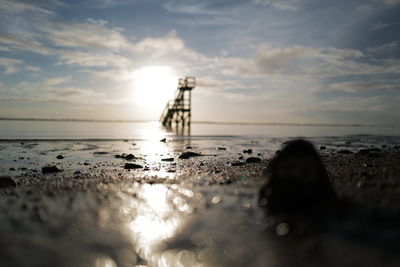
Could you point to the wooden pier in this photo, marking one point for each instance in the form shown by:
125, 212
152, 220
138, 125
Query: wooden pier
178, 111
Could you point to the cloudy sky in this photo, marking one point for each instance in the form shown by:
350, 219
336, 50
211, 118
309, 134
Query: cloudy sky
303, 61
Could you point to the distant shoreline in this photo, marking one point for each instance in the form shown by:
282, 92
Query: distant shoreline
200, 122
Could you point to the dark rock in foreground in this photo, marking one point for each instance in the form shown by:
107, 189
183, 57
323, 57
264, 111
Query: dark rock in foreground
188, 155
248, 151
168, 159
50, 169
253, 160
130, 166
7, 182
60, 157
297, 182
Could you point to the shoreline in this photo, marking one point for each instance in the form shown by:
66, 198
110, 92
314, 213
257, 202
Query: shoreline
201, 210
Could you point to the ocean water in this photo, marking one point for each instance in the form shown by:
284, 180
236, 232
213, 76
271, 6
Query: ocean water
16, 129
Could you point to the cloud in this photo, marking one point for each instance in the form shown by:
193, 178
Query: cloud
387, 48
23, 44
92, 34
56, 81
380, 26
17, 7
391, 2
190, 7
287, 5
363, 86
169, 43
10, 65
301, 61
84, 59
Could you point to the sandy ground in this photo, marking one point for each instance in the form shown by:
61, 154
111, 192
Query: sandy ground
197, 211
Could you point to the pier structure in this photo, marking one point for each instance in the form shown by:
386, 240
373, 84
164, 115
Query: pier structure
178, 111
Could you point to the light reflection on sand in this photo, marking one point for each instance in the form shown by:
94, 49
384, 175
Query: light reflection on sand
156, 220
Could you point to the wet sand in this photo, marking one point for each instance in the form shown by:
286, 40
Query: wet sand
189, 211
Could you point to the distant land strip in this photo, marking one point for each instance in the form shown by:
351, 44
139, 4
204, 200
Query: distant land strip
201, 122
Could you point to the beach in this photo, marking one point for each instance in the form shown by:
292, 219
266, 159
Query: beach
189, 201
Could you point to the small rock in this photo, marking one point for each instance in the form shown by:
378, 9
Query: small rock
188, 155
189, 147
253, 160
368, 151
86, 163
12, 169
50, 169
248, 151
6, 181
237, 163
345, 152
163, 140
101, 153
168, 159
221, 148
130, 166
322, 147
60, 157
129, 157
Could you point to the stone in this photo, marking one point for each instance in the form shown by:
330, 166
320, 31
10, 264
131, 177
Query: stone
345, 152
168, 159
130, 166
188, 155
50, 169
253, 160
163, 140
237, 163
248, 151
130, 157
6, 182
101, 153
60, 157
297, 183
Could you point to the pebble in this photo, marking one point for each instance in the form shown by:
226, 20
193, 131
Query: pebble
345, 152
129, 157
60, 157
163, 140
101, 153
168, 159
188, 155
221, 148
322, 147
253, 160
130, 166
237, 163
6, 181
248, 151
50, 169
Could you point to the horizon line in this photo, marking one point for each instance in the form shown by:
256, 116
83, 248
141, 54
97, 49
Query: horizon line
201, 122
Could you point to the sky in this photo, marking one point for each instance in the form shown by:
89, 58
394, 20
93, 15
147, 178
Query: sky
284, 61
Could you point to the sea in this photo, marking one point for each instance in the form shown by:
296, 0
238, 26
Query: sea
78, 130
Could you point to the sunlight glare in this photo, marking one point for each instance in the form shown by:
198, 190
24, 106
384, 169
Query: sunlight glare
154, 86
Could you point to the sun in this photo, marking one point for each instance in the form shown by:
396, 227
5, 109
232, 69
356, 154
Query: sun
153, 86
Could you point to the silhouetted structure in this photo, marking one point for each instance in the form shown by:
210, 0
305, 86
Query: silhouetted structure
178, 111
